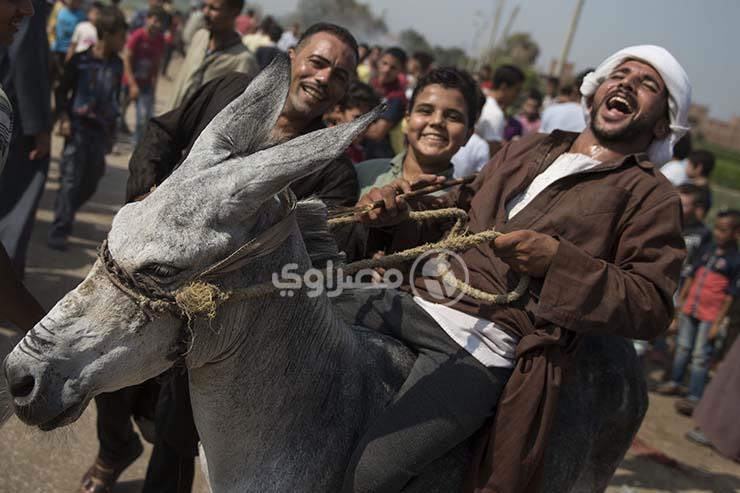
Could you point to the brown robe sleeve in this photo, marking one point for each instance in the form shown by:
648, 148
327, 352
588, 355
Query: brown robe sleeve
631, 296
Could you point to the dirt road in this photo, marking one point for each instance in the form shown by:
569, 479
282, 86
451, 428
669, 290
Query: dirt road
34, 462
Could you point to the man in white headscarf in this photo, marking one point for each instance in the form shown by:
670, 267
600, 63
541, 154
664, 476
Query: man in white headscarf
596, 226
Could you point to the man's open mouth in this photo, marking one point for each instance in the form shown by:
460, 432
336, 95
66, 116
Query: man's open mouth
621, 103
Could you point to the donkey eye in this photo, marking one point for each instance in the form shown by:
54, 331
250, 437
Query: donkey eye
162, 271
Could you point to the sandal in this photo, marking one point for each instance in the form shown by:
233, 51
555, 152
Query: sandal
101, 477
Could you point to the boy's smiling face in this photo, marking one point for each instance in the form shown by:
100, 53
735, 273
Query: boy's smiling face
437, 124
725, 231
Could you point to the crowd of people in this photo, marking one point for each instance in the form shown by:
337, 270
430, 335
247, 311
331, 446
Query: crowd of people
437, 122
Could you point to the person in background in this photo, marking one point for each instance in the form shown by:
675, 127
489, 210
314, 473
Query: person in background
485, 77
90, 92
717, 411
260, 36
195, 22
16, 304
419, 64
473, 156
25, 80
141, 62
51, 24
372, 60
85, 35
513, 129
361, 98
675, 169
384, 136
439, 122
551, 91
709, 287
699, 167
266, 53
696, 234
364, 70
246, 23
529, 116
507, 83
290, 38
213, 52
139, 19
67, 19
172, 42
566, 113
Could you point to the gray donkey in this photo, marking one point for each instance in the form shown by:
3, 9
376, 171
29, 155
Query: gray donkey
281, 389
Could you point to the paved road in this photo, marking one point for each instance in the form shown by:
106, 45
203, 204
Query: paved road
35, 462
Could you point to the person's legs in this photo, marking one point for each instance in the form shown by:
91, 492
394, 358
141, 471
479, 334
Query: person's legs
687, 329
71, 166
116, 434
144, 110
700, 358
445, 399
168, 470
94, 164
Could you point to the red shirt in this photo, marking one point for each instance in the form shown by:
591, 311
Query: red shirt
146, 52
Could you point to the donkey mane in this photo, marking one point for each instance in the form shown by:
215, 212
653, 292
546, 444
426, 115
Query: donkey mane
311, 215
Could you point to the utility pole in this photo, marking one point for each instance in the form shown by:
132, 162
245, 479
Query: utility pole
569, 38
507, 28
496, 23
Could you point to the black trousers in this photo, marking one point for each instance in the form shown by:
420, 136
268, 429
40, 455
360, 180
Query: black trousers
171, 467
447, 396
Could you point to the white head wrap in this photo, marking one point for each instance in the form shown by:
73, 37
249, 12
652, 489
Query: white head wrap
675, 79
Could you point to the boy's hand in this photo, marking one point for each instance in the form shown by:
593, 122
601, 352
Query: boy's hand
41, 146
65, 128
133, 91
394, 206
528, 252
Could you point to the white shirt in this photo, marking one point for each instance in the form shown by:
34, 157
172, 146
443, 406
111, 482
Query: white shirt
675, 171
483, 339
472, 157
492, 121
84, 36
563, 116
287, 41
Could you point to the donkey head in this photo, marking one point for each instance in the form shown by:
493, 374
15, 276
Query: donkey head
98, 339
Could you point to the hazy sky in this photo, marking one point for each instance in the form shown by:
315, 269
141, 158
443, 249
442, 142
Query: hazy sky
703, 36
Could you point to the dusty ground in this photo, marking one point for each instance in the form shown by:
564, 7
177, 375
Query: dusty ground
31, 462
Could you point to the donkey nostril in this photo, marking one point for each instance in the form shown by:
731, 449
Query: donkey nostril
23, 386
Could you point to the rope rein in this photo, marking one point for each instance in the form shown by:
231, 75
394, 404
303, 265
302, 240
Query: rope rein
200, 297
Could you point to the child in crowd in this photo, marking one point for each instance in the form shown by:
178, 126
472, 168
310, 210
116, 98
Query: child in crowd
529, 117
85, 34
143, 56
361, 98
65, 22
90, 96
385, 136
696, 234
698, 170
439, 122
710, 285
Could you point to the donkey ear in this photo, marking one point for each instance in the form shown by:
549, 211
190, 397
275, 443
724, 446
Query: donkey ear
265, 173
245, 124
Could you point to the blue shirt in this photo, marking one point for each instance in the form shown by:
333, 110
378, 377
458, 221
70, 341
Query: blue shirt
67, 20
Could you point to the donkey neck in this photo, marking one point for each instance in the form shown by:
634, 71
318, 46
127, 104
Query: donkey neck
273, 393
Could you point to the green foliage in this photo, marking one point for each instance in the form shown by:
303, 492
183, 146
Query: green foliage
518, 49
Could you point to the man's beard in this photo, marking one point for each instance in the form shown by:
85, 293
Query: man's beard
633, 130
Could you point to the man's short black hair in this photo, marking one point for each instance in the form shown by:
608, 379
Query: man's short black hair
682, 148
733, 214
511, 75
250, 12
703, 158
335, 30
158, 12
397, 53
97, 5
425, 59
451, 78
361, 95
110, 21
698, 194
